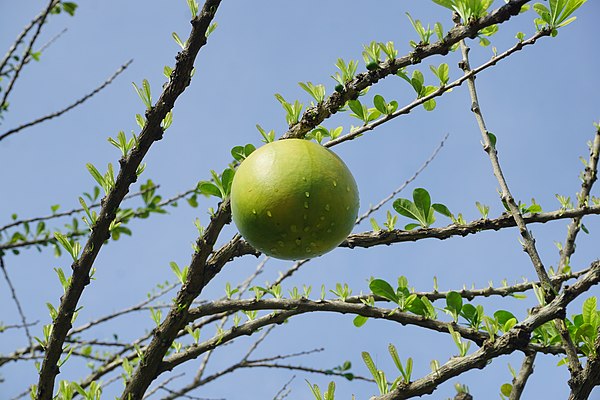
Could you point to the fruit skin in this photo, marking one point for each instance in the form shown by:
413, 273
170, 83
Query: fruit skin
294, 199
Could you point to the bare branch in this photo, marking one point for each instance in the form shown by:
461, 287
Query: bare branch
376, 207
17, 71
13, 293
19, 39
69, 107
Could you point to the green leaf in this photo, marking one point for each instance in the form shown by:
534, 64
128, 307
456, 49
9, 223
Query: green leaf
502, 316
208, 189
380, 104
422, 200
226, 180
406, 208
238, 153
492, 139
357, 108
506, 389
96, 174
381, 288
178, 40
359, 321
409, 227
454, 301
442, 209
589, 311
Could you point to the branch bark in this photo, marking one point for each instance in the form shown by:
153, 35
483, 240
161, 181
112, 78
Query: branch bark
151, 133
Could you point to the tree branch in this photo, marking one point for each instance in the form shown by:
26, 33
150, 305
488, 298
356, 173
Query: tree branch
515, 339
13, 293
589, 378
17, 71
313, 116
583, 198
70, 107
152, 131
521, 380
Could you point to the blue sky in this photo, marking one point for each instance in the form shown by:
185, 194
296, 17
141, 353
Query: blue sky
540, 103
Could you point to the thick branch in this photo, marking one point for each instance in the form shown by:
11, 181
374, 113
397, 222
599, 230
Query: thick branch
521, 380
151, 132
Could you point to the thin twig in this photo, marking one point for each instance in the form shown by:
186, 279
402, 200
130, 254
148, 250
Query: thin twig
376, 207
284, 391
17, 70
69, 107
19, 40
13, 293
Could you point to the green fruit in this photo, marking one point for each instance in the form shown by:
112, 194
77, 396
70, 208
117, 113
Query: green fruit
294, 199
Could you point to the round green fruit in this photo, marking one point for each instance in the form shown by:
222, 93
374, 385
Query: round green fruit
294, 199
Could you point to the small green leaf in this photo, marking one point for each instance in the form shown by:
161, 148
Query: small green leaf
454, 301
380, 104
359, 321
381, 288
442, 209
357, 108
502, 316
506, 389
208, 189
492, 139
422, 200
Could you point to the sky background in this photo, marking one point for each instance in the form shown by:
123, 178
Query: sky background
540, 103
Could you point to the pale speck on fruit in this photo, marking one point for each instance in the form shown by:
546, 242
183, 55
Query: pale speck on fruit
327, 207
334, 183
270, 215
322, 218
254, 212
328, 230
308, 250
307, 194
306, 228
305, 217
280, 243
306, 204
298, 242
294, 228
